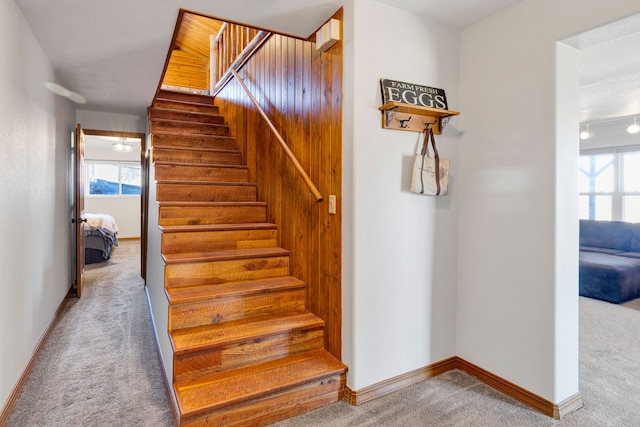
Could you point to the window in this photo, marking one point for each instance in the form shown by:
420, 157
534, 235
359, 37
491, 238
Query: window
610, 184
113, 178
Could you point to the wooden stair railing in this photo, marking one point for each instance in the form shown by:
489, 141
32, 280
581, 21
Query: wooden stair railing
283, 144
237, 61
232, 43
246, 349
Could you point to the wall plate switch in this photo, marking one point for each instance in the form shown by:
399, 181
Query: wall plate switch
332, 204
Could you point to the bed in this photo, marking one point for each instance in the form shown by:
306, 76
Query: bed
100, 236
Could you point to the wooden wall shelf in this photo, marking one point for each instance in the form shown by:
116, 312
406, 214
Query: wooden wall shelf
400, 116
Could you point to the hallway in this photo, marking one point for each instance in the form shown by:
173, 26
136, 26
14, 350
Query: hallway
100, 368
100, 365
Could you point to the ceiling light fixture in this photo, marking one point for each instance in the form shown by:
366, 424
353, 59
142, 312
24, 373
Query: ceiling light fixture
585, 134
122, 146
634, 128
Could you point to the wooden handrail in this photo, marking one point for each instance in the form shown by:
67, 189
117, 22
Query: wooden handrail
284, 145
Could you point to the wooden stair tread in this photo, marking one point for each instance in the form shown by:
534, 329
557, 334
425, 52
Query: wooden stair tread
230, 254
182, 102
217, 335
206, 183
195, 98
163, 120
160, 125
172, 95
194, 114
233, 289
173, 139
217, 227
153, 132
184, 116
193, 134
198, 165
183, 204
189, 136
226, 388
192, 149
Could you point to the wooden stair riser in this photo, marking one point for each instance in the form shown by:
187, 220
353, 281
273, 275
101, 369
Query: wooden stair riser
204, 173
194, 142
204, 273
206, 241
173, 126
207, 312
184, 106
205, 192
184, 116
239, 388
267, 410
224, 214
219, 157
196, 98
206, 362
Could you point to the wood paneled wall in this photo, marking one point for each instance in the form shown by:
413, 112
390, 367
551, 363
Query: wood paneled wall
300, 89
187, 70
188, 64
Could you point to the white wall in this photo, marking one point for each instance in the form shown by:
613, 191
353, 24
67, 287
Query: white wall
399, 266
517, 297
124, 209
101, 120
35, 227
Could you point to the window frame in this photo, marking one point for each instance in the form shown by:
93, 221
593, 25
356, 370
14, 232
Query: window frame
617, 195
120, 164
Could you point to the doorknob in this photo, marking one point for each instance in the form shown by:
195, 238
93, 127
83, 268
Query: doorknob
73, 221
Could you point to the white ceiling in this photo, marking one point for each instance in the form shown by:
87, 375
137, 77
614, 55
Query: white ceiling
456, 13
609, 70
113, 52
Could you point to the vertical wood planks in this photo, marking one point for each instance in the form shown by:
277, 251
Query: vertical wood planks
301, 91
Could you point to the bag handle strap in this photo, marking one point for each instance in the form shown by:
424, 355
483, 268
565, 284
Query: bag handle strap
437, 160
425, 144
423, 154
428, 136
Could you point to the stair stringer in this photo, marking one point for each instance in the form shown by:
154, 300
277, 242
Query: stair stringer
156, 296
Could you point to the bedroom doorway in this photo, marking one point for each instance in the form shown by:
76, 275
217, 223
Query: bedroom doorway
113, 194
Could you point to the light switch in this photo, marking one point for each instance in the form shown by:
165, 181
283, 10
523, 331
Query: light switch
332, 204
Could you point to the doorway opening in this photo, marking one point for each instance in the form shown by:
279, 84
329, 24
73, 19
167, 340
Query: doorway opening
113, 196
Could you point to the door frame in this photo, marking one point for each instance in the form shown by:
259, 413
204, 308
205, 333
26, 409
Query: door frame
144, 195
78, 209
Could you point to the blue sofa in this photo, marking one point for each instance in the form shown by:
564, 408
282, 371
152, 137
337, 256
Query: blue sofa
610, 260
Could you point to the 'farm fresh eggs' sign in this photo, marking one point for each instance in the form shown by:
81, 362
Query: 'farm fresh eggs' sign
413, 94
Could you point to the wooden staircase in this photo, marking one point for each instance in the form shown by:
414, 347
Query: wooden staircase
246, 351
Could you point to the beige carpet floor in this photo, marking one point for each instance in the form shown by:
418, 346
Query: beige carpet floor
100, 365
609, 382
100, 368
